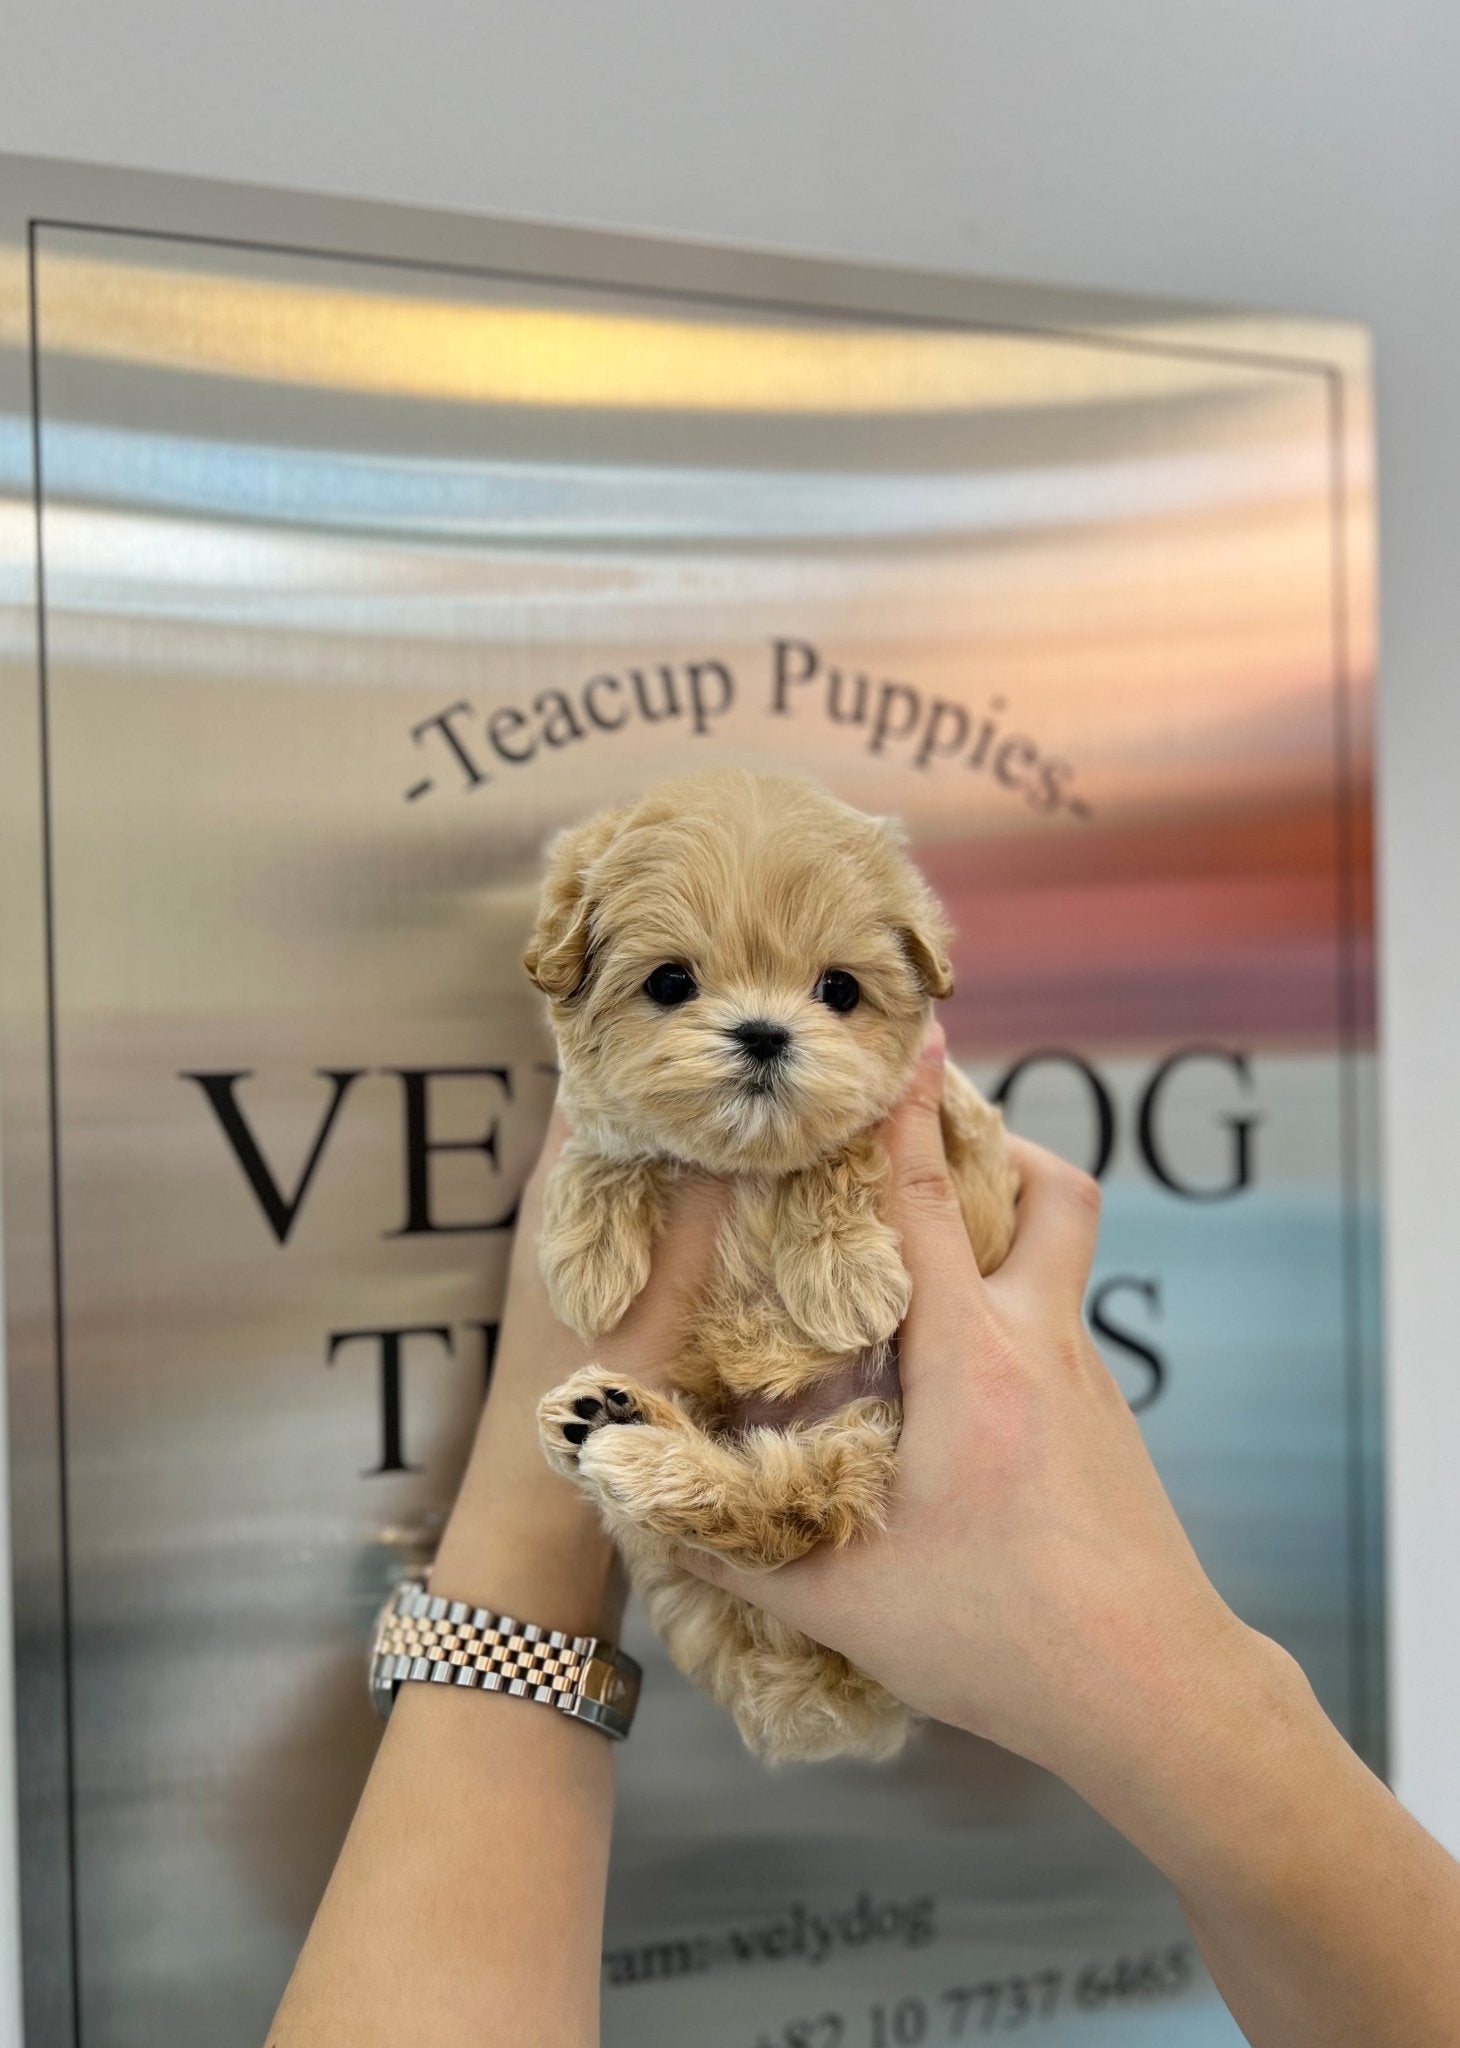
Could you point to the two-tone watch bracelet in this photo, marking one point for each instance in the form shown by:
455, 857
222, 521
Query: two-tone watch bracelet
425, 1637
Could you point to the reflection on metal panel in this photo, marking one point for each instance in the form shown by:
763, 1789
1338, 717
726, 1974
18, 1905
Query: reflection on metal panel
358, 579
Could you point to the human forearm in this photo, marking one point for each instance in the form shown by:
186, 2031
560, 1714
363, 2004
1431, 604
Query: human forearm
468, 1899
454, 1911
1326, 1914
522, 1542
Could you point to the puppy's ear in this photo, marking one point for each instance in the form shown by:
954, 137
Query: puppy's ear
924, 929
925, 934
557, 954
930, 960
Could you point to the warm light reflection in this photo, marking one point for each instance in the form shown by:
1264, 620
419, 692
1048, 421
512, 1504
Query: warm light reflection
314, 335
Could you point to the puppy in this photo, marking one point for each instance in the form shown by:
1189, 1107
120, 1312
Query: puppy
740, 971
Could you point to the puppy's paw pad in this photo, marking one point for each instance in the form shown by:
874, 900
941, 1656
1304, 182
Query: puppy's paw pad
572, 1413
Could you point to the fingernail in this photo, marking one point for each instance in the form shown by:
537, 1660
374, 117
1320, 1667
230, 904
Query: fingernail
935, 1045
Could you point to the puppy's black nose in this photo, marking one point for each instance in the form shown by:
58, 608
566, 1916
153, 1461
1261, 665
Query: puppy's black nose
761, 1039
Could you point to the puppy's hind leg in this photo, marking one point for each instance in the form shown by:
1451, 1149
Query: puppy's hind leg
759, 1500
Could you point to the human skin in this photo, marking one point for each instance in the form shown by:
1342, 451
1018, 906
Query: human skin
467, 1901
1033, 1587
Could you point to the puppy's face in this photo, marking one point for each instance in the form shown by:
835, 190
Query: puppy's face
739, 969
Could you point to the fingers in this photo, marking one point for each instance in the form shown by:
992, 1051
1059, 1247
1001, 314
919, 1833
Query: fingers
1055, 1231
923, 1206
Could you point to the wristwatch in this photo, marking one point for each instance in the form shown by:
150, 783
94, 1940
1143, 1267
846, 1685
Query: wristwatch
422, 1635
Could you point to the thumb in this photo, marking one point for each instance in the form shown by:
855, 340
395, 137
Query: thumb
923, 1207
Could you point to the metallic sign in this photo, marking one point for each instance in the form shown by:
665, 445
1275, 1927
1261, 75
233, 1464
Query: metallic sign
347, 554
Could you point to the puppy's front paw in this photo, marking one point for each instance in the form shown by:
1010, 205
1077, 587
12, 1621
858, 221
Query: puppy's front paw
590, 1290
846, 1294
571, 1413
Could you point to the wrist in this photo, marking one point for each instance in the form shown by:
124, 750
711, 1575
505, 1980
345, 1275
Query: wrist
530, 1545
1208, 1775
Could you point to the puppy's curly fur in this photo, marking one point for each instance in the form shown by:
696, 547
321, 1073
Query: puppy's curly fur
806, 952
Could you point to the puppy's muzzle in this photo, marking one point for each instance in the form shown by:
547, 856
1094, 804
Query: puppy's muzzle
761, 1041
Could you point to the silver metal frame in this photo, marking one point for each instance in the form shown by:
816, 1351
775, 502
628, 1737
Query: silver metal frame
34, 192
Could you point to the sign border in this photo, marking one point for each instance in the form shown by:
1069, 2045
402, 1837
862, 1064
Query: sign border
41, 196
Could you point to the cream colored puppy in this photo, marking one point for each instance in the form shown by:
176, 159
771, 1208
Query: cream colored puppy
740, 972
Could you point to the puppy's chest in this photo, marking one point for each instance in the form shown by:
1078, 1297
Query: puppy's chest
745, 1356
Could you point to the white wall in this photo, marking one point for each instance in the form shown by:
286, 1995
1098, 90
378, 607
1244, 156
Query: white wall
1302, 154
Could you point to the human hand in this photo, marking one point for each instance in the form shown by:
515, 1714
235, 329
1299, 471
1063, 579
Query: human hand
518, 1538
1033, 1584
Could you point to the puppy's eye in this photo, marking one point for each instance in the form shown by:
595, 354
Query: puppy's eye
670, 985
838, 990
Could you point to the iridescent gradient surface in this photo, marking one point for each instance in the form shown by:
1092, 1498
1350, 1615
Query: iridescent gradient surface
294, 510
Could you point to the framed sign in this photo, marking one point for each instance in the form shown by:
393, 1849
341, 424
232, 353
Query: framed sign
348, 553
